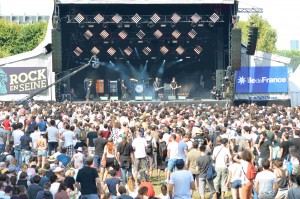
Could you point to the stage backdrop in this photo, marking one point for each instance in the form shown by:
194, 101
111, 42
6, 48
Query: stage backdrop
22, 80
262, 80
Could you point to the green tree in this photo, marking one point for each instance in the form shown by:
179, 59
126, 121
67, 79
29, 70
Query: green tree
267, 35
293, 54
16, 38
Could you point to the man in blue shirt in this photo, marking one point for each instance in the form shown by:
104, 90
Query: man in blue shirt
63, 158
181, 182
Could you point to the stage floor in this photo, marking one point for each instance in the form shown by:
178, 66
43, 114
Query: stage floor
187, 102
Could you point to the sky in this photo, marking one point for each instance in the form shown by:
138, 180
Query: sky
284, 15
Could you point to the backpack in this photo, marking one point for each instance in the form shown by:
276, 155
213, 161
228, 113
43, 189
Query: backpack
211, 172
162, 147
82, 134
149, 148
251, 172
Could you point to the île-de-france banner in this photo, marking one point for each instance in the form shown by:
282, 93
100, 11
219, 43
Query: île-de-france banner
22, 80
262, 80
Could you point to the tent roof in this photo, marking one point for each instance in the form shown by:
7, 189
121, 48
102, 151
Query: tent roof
145, 2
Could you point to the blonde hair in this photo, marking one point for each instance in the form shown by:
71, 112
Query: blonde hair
70, 173
131, 184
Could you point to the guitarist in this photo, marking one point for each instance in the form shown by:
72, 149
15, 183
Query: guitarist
123, 89
174, 87
156, 87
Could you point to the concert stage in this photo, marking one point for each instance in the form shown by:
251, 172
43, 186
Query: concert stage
138, 41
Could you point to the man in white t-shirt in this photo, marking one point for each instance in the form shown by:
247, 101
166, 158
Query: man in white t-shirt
265, 184
172, 155
68, 136
139, 145
16, 135
78, 158
35, 136
221, 155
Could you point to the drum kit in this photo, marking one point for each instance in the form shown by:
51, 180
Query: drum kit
138, 86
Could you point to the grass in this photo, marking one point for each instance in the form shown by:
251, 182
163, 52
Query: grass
157, 182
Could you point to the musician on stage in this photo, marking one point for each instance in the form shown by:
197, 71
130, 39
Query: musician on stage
87, 86
123, 89
214, 92
174, 87
156, 87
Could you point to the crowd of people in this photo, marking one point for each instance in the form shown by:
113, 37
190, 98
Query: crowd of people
113, 150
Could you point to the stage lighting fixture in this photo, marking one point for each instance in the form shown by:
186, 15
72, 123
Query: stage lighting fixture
180, 60
117, 18
173, 25
95, 51
140, 34
95, 63
155, 18
128, 51
175, 18
198, 49
111, 51
104, 34
120, 25
98, 18
180, 50
123, 34
136, 18
150, 24
211, 24
176, 34
164, 50
88, 34
196, 18
105, 25
146, 50
214, 17
157, 34
79, 18
77, 51
192, 34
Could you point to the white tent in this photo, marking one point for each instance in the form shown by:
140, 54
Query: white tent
32, 62
294, 87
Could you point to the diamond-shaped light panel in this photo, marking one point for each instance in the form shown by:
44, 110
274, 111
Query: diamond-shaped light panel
79, 18
147, 50
198, 49
104, 34
88, 34
77, 51
196, 18
157, 34
95, 51
136, 18
214, 17
164, 50
180, 50
123, 34
192, 34
155, 18
176, 34
175, 18
128, 51
117, 18
111, 51
140, 34
99, 18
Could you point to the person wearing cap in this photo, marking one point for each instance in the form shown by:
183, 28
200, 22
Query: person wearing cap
78, 158
221, 156
181, 182
125, 157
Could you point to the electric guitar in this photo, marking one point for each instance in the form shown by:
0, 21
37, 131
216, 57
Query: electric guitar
157, 89
176, 88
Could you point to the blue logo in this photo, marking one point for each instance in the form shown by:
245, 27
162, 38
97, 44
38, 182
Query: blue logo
3, 82
262, 80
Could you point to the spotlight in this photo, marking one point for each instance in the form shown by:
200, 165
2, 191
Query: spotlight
155, 18
77, 51
151, 25
99, 18
214, 17
136, 18
175, 18
95, 51
105, 25
88, 34
79, 18
117, 18
104, 34
180, 60
211, 24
